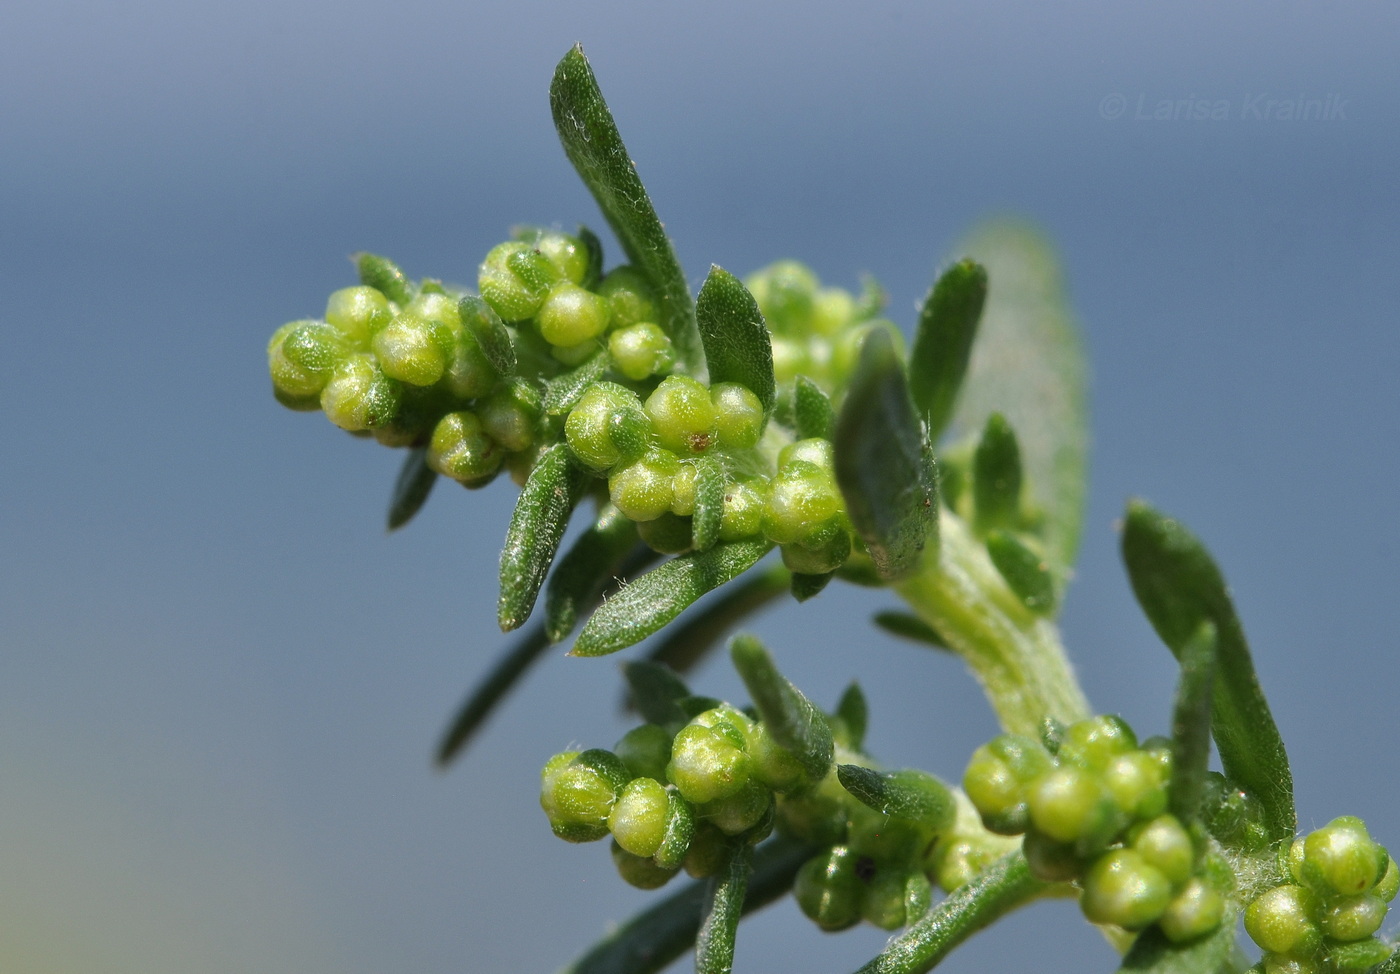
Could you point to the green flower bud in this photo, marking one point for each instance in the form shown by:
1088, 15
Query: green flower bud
572, 355
834, 309
740, 416
578, 790
816, 451
1165, 846
290, 377
1069, 805
684, 417
567, 253
645, 750
638, 818
514, 280
462, 449
667, 534
791, 358
683, 486
737, 813
1353, 917
510, 414
570, 315
823, 550
641, 350
743, 512
1094, 742
1137, 783
629, 297
786, 292
1122, 889
589, 428
359, 396
800, 498
997, 777
639, 871
895, 897
706, 765
955, 861
708, 852
845, 350
817, 815
1341, 858
733, 724
886, 838
409, 350
419, 411
1281, 921
774, 765
642, 490
1389, 883
828, 889
1194, 912
680, 831
1051, 861
357, 313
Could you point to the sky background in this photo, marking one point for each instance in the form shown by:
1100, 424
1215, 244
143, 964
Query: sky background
221, 681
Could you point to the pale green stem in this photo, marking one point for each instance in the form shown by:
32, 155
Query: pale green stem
1015, 654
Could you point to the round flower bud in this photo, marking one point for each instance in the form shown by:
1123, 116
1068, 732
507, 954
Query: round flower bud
683, 415
359, 396
578, 790
791, 358
638, 818
1194, 912
639, 871
706, 765
800, 498
816, 451
997, 777
1067, 804
589, 429
642, 490
833, 310
743, 512
289, 377
1353, 917
1120, 888
740, 415
1166, 846
1094, 742
645, 750
895, 897
667, 534
737, 813
572, 355
462, 449
955, 861
1281, 921
1389, 883
683, 489
828, 889
514, 280
734, 725
570, 315
1137, 783
409, 351
641, 350
785, 292
680, 831
885, 837
816, 815
822, 551
510, 414
709, 849
629, 296
357, 313
1341, 858
567, 253
1051, 861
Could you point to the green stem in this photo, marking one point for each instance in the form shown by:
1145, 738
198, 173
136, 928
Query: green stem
724, 905
1015, 654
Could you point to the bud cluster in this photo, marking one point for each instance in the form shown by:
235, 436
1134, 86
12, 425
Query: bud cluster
1095, 811
1325, 920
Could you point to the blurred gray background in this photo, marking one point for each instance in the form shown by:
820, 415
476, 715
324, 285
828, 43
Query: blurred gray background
221, 681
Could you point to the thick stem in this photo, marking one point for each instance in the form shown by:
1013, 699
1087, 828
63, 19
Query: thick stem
1015, 654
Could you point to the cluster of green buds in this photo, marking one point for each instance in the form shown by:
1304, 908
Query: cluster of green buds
1326, 919
1095, 811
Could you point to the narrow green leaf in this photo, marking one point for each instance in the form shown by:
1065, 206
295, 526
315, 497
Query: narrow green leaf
411, 489
657, 936
998, 889
737, 344
490, 333
536, 528
563, 392
996, 476
1025, 571
806, 587
594, 274
906, 625
489, 693
794, 721
883, 462
908, 794
813, 413
700, 630
943, 341
656, 691
1028, 365
585, 570
384, 274
1179, 586
724, 905
646, 604
1191, 724
1153, 953
853, 712
709, 503
592, 143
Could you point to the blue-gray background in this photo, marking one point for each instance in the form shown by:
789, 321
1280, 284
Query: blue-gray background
220, 680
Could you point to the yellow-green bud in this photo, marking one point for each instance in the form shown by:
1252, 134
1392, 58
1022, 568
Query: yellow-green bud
1281, 921
571, 315
359, 396
683, 415
638, 817
629, 297
739, 416
643, 490
357, 313
1194, 912
1122, 889
641, 350
462, 449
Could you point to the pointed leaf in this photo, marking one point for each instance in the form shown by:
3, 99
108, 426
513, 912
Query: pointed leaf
1191, 724
563, 392
702, 628
656, 691
1179, 587
883, 462
383, 274
1153, 953
1028, 365
908, 794
906, 625
943, 341
594, 274
853, 711
709, 503
489, 693
411, 489
806, 587
812, 410
536, 528
646, 604
592, 143
585, 570
737, 344
794, 721
490, 333
724, 905
1025, 572
996, 476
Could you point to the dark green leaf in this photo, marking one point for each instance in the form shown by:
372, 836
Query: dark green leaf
700, 630
654, 938
812, 409
996, 476
594, 274
483, 700
909, 794
709, 503
384, 274
943, 341
854, 713
646, 604
724, 905
1027, 364
997, 890
737, 345
883, 462
909, 626
794, 721
585, 570
536, 528
1179, 587
656, 691
1153, 953
592, 143
806, 587
1025, 572
411, 489
481, 320
563, 392
1191, 724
